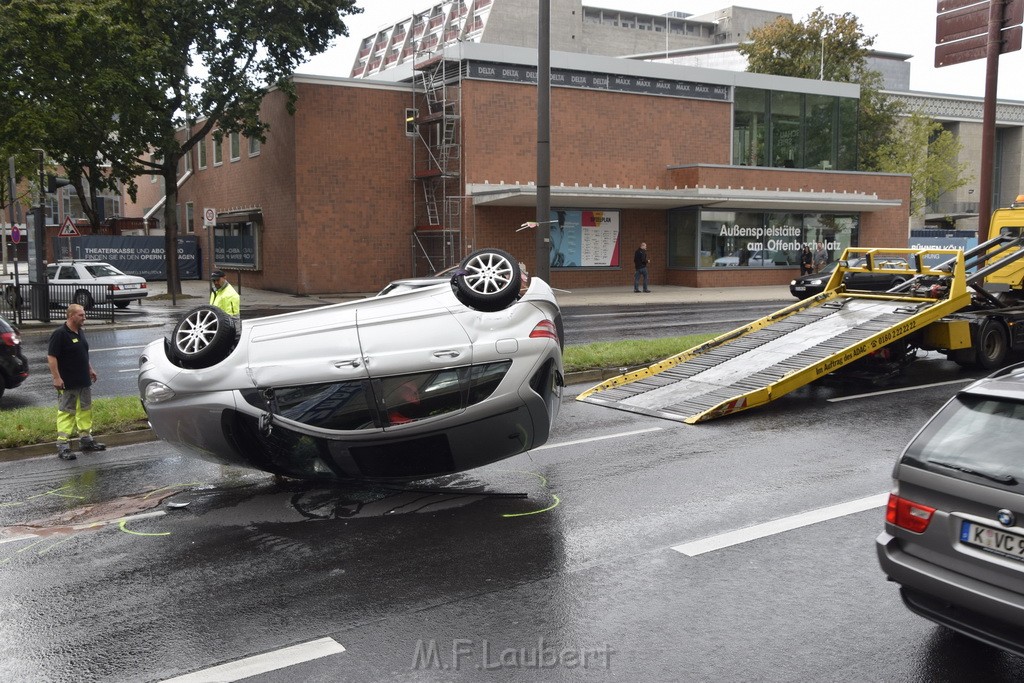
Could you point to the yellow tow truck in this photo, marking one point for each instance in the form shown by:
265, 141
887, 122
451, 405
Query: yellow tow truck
968, 305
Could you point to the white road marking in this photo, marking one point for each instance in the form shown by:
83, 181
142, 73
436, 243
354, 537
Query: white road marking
260, 664
118, 348
129, 370
779, 526
896, 391
596, 438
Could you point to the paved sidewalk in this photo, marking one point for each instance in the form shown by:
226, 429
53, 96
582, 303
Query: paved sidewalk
591, 296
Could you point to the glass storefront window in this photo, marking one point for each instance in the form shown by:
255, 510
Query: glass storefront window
754, 239
748, 132
792, 130
847, 151
785, 130
682, 225
819, 152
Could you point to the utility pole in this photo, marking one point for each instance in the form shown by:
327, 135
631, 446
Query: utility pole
543, 236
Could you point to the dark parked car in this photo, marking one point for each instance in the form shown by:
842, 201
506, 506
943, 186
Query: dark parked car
13, 366
954, 529
878, 281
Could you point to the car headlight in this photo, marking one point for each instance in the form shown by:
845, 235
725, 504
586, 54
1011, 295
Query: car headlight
155, 392
792, 282
815, 282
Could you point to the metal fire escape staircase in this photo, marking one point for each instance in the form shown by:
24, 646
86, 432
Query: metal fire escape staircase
437, 237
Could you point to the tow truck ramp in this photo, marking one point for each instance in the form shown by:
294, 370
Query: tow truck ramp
788, 349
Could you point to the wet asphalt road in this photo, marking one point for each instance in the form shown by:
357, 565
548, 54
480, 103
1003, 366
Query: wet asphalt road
101, 580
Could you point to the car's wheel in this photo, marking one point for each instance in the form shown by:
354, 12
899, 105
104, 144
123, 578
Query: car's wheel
204, 337
83, 299
13, 297
122, 304
896, 282
991, 344
487, 280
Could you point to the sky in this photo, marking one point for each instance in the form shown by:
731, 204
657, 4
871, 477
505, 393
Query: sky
903, 26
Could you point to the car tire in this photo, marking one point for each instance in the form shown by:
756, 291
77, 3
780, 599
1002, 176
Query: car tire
896, 282
13, 297
122, 304
992, 345
203, 338
83, 299
487, 280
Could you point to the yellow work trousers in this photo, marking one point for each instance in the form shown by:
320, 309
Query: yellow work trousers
74, 413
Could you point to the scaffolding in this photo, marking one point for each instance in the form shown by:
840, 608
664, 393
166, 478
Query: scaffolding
437, 163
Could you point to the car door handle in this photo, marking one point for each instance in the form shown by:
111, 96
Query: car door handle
348, 362
449, 353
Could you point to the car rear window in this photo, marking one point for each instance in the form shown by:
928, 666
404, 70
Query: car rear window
102, 270
982, 434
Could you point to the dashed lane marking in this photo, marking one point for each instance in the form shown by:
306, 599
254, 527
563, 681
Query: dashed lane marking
595, 438
779, 526
260, 664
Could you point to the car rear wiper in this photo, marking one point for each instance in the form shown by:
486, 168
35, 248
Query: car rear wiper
1001, 478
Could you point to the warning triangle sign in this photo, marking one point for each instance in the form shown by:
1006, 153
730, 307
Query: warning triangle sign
68, 229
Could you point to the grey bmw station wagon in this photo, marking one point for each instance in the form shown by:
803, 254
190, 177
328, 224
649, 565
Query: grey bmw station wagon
954, 529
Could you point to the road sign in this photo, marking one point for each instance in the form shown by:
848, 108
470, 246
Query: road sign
976, 47
209, 218
961, 30
15, 234
68, 229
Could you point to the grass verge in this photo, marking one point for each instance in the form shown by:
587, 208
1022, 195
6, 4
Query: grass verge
27, 426
619, 354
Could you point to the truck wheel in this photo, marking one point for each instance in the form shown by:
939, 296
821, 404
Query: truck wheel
991, 344
204, 337
487, 280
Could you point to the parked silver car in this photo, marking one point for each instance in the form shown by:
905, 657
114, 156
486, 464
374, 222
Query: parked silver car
413, 384
954, 530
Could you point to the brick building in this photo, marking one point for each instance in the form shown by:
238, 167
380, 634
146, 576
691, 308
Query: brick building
375, 180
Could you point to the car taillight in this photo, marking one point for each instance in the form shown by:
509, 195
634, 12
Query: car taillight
907, 514
545, 329
10, 338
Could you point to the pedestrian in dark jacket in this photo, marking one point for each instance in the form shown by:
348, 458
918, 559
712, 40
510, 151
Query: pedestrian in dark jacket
806, 261
640, 262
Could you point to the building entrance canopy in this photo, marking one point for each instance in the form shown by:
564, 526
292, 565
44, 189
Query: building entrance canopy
590, 197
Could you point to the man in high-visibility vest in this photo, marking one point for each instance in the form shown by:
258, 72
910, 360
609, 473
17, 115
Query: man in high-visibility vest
223, 295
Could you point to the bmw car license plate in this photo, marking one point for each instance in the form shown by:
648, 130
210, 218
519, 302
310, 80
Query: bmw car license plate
800, 288
1001, 542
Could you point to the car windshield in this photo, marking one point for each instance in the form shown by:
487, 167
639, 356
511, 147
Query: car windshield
973, 434
102, 270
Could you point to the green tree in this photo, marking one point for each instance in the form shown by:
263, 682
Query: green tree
930, 154
67, 90
159, 76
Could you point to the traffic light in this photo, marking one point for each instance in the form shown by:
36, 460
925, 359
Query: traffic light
54, 183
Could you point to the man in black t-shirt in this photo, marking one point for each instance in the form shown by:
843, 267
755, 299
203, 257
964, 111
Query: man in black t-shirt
68, 358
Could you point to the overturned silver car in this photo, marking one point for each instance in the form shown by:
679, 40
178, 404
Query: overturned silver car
409, 384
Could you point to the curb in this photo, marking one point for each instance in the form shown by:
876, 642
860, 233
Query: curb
50, 448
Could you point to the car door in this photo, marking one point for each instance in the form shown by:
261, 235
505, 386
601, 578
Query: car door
418, 356
316, 346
